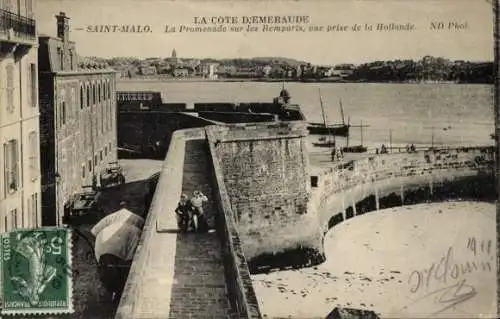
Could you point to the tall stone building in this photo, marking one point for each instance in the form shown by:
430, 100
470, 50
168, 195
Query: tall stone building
77, 120
19, 122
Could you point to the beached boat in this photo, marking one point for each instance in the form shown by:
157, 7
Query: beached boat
324, 142
324, 128
334, 129
356, 148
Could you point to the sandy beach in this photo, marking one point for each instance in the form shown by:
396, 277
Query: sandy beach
404, 262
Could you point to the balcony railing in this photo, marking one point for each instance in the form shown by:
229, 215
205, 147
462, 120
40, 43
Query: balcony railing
23, 27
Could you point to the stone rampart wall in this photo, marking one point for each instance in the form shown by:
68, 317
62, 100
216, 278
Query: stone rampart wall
265, 169
382, 175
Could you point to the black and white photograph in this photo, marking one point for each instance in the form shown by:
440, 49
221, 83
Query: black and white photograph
237, 159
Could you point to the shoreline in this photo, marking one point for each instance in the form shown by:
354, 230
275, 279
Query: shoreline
263, 80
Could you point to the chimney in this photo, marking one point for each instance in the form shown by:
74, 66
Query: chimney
62, 26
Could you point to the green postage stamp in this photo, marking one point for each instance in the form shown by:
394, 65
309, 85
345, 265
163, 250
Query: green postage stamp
36, 272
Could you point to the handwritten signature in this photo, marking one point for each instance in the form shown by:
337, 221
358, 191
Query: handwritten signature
449, 296
450, 274
444, 271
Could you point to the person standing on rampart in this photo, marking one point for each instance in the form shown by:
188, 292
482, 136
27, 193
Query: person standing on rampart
199, 218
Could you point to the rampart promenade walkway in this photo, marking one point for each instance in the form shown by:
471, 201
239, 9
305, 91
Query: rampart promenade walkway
178, 275
199, 269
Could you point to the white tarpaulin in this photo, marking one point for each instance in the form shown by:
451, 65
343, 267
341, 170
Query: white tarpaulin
121, 216
118, 239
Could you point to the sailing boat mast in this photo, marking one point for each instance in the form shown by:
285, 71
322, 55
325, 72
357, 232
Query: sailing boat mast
342, 111
324, 117
361, 126
348, 122
322, 108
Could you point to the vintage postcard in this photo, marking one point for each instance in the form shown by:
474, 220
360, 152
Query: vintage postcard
240, 159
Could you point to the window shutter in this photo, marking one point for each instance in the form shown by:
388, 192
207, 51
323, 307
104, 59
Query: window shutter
6, 168
15, 167
10, 87
33, 79
30, 88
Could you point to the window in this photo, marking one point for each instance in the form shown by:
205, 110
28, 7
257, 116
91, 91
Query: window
63, 113
13, 220
22, 219
10, 87
60, 55
106, 150
110, 117
81, 97
83, 170
33, 155
90, 166
11, 166
109, 90
71, 59
95, 160
36, 209
72, 104
100, 156
6, 224
88, 95
94, 94
30, 210
98, 92
103, 111
32, 90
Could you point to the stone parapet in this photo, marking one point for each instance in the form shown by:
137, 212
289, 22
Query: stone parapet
343, 186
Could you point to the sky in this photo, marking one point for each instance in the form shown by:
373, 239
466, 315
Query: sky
474, 42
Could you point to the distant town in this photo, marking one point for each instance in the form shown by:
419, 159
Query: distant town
427, 69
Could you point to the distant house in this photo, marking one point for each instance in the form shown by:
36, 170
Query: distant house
345, 66
247, 73
277, 71
226, 70
181, 72
299, 70
267, 70
163, 70
147, 70
208, 70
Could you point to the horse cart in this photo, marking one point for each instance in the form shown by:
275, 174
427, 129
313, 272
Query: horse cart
112, 175
83, 208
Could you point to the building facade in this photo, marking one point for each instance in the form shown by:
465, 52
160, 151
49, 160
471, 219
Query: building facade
20, 199
77, 121
209, 70
147, 70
